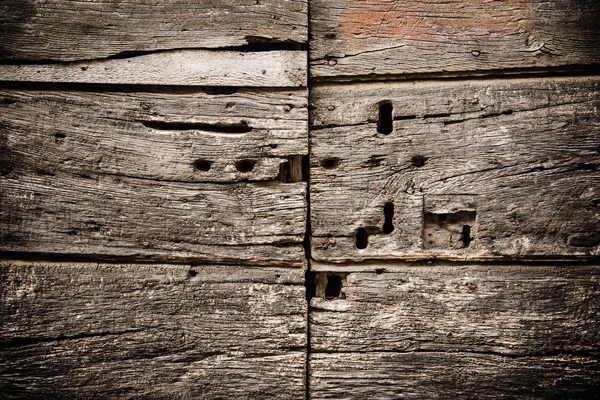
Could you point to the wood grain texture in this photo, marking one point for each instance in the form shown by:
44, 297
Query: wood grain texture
514, 162
123, 174
505, 309
184, 67
377, 375
370, 38
71, 330
158, 136
67, 30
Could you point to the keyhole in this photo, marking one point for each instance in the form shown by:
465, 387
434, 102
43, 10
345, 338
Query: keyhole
385, 123
362, 238
388, 212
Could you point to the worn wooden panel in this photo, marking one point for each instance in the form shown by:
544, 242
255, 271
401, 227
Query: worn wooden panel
68, 30
504, 309
471, 170
183, 67
432, 375
142, 174
158, 136
71, 330
370, 38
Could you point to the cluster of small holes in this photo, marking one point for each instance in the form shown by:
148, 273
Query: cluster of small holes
241, 165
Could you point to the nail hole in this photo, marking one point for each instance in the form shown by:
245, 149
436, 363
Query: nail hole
192, 272
60, 135
362, 238
385, 122
333, 290
379, 271
466, 235
202, 165
418, 161
507, 112
245, 165
330, 163
388, 212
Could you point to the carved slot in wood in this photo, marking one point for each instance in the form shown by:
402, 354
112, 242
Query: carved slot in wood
362, 238
388, 212
448, 230
385, 123
329, 285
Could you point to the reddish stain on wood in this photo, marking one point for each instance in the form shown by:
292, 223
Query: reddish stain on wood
433, 19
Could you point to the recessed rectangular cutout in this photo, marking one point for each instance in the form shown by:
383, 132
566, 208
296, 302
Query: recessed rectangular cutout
449, 230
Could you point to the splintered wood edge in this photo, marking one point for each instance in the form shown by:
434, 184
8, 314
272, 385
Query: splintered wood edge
283, 68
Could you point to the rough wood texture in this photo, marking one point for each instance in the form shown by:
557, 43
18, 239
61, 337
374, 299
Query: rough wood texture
71, 30
505, 309
471, 170
370, 38
434, 375
151, 331
141, 174
185, 67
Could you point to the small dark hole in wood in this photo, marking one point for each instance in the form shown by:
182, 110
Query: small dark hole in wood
388, 212
362, 238
330, 163
60, 135
333, 290
202, 165
245, 165
418, 161
385, 123
379, 271
466, 235
442, 217
192, 272
596, 203
507, 112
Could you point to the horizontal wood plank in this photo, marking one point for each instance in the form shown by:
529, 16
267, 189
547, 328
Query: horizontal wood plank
377, 375
73, 330
505, 309
66, 30
154, 175
158, 136
373, 38
468, 170
182, 68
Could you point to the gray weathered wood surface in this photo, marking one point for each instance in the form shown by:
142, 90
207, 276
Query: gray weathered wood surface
503, 309
66, 30
514, 161
433, 375
183, 68
120, 174
371, 38
74, 330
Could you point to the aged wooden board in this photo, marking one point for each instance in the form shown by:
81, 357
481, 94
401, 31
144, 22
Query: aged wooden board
142, 174
67, 30
462, 170
183, 67
158, 136
433, 375
370, 38
76, 330
504, 309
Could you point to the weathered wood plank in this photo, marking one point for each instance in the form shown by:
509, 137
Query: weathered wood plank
141, 174
505, 309
469, 170
377, 375
370, 38
184, 67
75, 330
190, 135
67, 30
